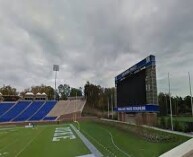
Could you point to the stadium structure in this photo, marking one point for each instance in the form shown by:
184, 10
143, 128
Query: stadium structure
89, 137
136, 93
37, 108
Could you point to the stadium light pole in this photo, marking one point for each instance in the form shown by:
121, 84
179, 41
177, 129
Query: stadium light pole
171, 118
55, 68
108, 107
190, 92
55, 85
112, 104
76, 106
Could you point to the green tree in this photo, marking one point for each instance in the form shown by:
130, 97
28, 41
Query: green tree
75, 92
163, 103
98, 97
180, 104
64, 91
187, 104
8, 90
41, 89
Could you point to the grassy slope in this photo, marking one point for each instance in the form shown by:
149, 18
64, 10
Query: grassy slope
180, 118
184, 119
131, 144
37, 142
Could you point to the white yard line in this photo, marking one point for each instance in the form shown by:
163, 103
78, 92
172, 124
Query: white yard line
9, 145
28, 144
101, 145
3, 129
88, 155
88, 144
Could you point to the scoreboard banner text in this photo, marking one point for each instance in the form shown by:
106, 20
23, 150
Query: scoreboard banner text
142, 108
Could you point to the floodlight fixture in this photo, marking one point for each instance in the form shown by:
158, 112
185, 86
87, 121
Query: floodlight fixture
55, 68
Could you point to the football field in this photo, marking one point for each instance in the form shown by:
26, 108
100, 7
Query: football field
41, 141
63, 141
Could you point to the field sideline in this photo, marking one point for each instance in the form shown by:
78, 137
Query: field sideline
61, 140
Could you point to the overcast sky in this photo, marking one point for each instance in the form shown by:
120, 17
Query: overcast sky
94, 40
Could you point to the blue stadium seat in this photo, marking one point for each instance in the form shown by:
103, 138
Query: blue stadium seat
4, 107
16, 110
43, 111
50, 118
30, 111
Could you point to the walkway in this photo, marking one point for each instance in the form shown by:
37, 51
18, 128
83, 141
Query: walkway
170, 131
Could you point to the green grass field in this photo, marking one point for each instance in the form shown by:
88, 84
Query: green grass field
128, 142
110, 140
37, 142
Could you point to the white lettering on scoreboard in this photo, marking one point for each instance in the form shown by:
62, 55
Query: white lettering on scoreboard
63, 133
132, 108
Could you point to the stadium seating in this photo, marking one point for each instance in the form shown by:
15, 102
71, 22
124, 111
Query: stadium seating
67, 107
30, 111
38, 110
44, 110
4, 107
50, 118
14, 111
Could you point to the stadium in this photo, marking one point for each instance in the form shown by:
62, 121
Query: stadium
33, 125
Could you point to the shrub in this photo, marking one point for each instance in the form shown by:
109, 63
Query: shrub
162, 122
145, 133
168, 123
183, 127
177, 126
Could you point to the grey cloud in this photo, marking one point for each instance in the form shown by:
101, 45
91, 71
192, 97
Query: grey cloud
94, 40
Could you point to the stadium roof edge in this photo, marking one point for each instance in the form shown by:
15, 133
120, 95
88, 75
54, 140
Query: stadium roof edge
146, 62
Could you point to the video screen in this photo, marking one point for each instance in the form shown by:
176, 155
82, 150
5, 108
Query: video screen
132, 90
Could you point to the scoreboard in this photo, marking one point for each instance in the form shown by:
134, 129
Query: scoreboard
137, 87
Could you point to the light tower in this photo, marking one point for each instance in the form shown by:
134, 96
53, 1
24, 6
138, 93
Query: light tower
190, 92
55, 68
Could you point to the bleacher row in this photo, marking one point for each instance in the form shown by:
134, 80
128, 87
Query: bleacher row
26, 111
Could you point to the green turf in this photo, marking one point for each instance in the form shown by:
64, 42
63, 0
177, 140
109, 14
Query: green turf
133, 145
37, 142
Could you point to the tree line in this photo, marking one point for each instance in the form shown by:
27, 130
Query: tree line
99, 97
180, 105
62, 92
8, 90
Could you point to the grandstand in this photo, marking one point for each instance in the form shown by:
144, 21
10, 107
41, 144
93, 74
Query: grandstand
37, 110
66, 109
25, 110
